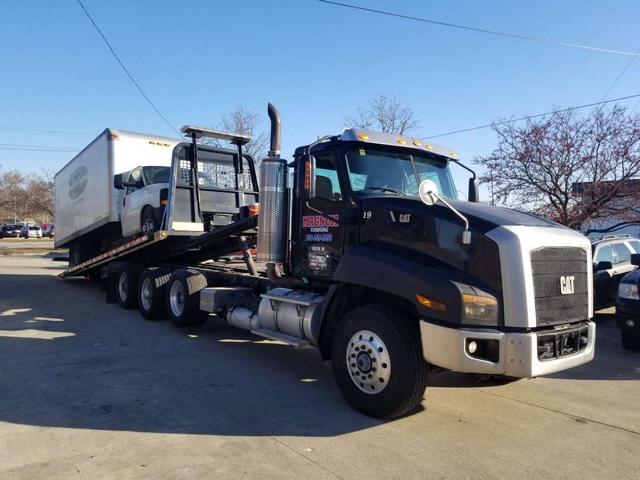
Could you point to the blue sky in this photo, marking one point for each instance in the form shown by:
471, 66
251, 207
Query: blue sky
198, 60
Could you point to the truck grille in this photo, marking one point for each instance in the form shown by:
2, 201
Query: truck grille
552, 268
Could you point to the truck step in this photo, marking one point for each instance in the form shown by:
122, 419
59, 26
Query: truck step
282, 337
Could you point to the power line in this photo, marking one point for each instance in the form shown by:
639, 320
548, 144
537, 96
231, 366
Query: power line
133, 80
35, 148
479, 30
624, 70
504, 122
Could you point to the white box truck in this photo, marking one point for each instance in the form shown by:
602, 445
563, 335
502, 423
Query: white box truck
87, 205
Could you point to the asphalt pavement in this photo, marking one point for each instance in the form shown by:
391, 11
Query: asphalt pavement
88, 390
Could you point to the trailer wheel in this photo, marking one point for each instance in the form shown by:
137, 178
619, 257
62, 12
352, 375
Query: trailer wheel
151, 293
630, 341
377, 361
127, 288
183, 298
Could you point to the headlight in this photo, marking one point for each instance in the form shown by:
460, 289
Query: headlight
478, 306
629, 291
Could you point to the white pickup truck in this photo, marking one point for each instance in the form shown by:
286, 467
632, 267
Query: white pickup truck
144, 200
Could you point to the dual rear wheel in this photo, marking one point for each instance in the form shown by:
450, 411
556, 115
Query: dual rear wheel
160, 293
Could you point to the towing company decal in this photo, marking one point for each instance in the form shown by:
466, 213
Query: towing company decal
315, 221
318, 226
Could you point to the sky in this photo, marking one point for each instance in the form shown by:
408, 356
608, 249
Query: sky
316, 62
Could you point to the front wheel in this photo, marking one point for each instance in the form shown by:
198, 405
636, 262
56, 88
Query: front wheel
148, 223
377, 361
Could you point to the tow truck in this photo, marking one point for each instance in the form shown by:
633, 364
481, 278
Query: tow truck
365, 252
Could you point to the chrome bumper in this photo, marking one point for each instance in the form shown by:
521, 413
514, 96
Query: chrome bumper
517, 356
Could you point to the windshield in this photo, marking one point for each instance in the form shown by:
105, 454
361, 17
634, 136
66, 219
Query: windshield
374, 171
155, 175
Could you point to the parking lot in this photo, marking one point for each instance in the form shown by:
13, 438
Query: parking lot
93, 391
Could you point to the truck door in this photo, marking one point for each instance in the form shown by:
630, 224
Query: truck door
321, 226
132, 204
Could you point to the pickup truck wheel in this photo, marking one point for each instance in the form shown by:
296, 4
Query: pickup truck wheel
151, 293
148, 222
630, 341
126, 288
377, 361
183, 298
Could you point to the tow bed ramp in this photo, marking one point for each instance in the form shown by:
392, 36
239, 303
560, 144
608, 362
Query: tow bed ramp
160, 247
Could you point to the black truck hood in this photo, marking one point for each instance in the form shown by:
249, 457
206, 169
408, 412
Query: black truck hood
482, 217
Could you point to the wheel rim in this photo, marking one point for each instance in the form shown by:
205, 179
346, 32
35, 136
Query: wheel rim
123, 285
368, 362
146, 294
176, 298
147, 225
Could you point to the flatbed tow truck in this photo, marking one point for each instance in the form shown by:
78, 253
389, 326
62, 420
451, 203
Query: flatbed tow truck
369, 257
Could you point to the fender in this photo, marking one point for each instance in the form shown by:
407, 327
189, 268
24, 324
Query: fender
388, 272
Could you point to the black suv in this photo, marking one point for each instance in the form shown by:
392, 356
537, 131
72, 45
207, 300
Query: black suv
611, 262
628, 307
9, 231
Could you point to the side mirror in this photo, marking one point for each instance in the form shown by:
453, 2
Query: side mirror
473, 195
427, 191
635, 259
604, 266
117, 182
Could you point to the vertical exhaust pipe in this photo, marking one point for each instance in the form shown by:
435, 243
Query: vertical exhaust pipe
272, 220
274, 116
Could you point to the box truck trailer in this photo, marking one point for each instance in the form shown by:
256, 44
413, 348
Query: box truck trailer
370, 257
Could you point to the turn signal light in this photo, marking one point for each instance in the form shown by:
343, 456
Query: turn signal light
431, 303
254, 209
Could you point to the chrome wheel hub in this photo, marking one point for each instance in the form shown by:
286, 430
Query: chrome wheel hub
368, 362
146, 293
176, 298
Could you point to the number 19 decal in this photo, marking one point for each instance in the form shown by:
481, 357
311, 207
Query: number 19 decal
366, 215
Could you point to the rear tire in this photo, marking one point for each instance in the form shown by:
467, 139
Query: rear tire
377, 361
151, 293
127, 288
183, 298
630, 341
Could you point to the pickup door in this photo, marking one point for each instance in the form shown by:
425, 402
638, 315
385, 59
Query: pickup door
136, 197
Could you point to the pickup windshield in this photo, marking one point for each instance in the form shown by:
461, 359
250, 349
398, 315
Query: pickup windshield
155, 175
377, 171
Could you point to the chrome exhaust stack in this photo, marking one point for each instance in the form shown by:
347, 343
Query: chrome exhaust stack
272, 225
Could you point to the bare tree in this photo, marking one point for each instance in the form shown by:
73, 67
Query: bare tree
26, 197
571, 169
245, 122
13, 195
385, 114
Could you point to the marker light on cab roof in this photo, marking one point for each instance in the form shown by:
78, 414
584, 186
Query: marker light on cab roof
363, 136
417, 143
401, 141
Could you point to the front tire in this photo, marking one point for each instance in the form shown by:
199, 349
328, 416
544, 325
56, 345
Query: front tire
377, 361
630, 341
148, 223
183, 298
151, 293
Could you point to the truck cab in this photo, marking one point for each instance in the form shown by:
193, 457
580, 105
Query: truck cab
489, 285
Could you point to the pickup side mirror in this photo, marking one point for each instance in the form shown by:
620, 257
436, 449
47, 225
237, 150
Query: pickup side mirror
117, 182
603, 266
473, 195
635, 259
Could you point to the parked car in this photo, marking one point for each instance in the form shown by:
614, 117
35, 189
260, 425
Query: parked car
31, 231
144, 199
611, 262
47, 229
9, 231
628, 307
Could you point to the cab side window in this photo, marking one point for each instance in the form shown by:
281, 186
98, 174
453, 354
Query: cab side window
623, 254
604, 254
635, 244
327, 183
136, 178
